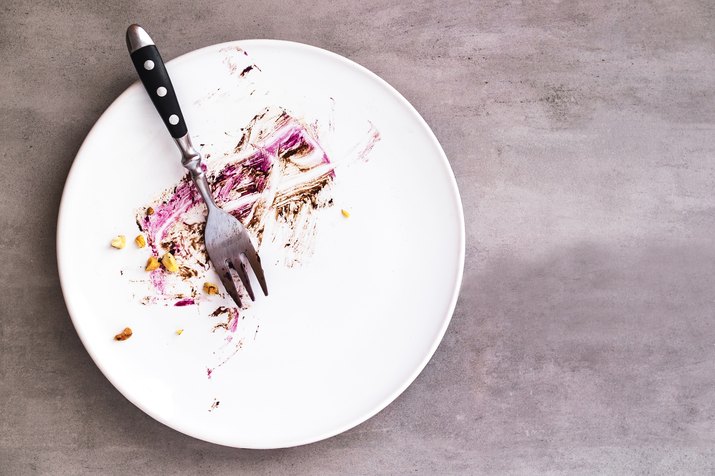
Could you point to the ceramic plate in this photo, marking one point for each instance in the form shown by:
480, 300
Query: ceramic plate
359, 224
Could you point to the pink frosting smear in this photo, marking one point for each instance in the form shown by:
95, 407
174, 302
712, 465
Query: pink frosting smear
277, 171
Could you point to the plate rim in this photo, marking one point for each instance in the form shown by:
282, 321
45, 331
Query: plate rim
446, 318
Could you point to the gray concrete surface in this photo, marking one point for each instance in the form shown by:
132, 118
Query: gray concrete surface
582, 135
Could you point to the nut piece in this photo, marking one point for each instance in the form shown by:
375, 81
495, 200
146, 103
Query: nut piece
152, 264
150, 211
140, 241
124, 335
179, 332
210, 288
119, 242
345, 213
170, 263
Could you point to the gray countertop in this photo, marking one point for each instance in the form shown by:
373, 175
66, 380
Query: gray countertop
582, 137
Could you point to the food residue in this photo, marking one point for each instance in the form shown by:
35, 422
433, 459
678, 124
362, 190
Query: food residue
169, 263
273, 180
140, 241
124, 335
152, 263
273, 173
119, 242
210, 288
276, 178
231, 316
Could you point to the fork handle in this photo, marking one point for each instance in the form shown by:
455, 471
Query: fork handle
152, 72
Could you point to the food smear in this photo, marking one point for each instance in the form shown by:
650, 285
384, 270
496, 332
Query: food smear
274, 170
274, 180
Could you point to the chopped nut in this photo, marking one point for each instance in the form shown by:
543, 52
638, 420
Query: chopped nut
152, 264
124, 335
169, 263
150, 211
179, 332
210, 288
119, 242
345, 213
140, 241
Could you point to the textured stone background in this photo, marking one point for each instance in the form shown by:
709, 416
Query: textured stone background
582, 136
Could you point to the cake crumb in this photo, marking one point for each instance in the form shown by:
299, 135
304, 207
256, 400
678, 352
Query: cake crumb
210, 288
140, 241
152, 264
119, 242
170, 263
124, 335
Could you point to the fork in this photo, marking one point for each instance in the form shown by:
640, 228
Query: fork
227, 242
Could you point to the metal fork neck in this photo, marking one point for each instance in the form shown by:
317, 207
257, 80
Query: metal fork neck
191, 160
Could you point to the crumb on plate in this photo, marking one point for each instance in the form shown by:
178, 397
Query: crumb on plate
152, 264
179, 332
119, 242
210, 288
345, 213
124, 335
140, 241
170, 263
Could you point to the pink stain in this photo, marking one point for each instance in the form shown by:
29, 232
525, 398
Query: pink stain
157, 225
157, 280
245, 179
208, 373
184, 302
233, 324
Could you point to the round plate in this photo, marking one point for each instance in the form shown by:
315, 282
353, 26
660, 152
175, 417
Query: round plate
357, 304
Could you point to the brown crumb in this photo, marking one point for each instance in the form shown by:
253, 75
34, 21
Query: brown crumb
186, 272
219, 310
210, 288
150, 211
124, 335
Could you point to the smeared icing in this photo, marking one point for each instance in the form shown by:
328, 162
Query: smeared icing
275, 178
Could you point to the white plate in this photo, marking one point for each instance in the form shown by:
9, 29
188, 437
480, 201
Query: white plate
345, 329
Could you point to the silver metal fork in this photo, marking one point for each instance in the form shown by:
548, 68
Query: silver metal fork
227, 242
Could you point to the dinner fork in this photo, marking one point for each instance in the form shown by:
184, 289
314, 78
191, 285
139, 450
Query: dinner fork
227, 242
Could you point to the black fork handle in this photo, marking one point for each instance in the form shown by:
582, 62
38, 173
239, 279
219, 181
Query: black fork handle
152, 72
